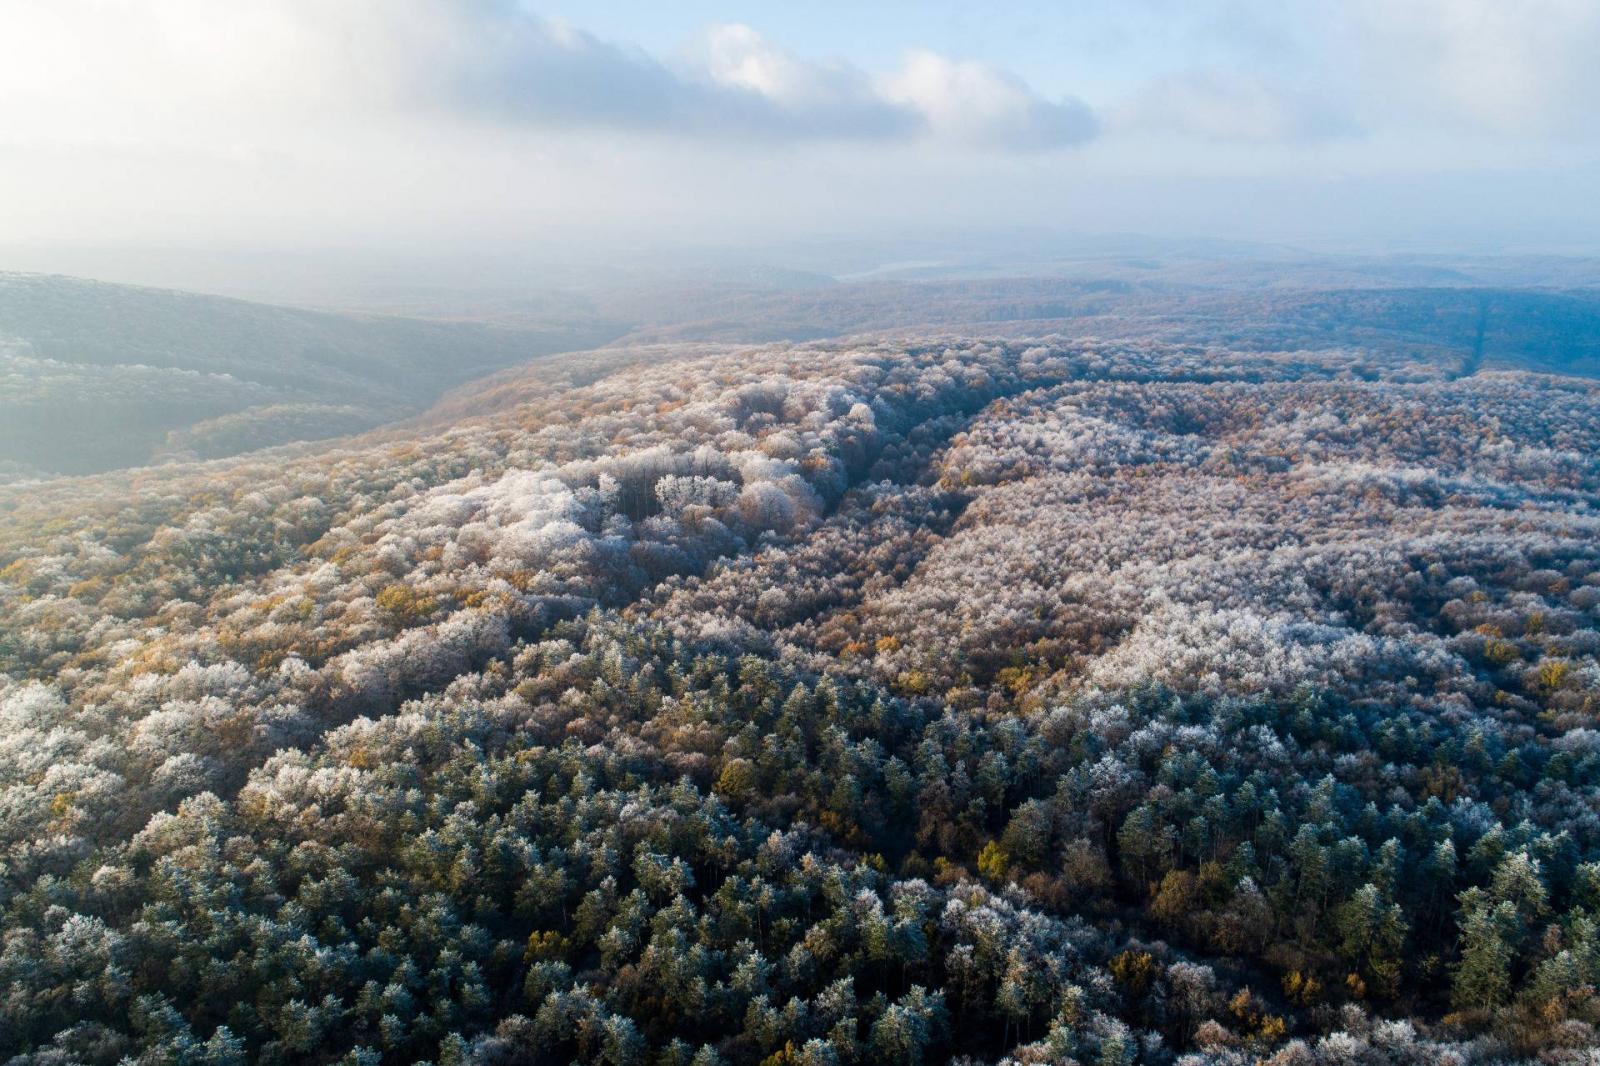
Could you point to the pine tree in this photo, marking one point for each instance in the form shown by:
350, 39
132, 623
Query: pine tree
1488, 949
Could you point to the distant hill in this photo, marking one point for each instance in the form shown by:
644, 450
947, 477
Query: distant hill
1557, 332
1502, 328
95, 376
98, 377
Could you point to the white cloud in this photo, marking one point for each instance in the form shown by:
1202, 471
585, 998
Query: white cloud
288, 122
808, 95
144, 71
739, 83
1457, 74
1525, 68
976, 104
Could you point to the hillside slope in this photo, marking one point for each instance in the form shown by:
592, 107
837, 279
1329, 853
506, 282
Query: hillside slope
872, 701
96, 376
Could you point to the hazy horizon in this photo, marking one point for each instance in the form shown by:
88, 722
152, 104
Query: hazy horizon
187, 136
376, 277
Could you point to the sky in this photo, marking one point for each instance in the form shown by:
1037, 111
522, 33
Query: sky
410, 125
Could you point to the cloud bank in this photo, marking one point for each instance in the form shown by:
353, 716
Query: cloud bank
1524, 68
490, 61
734, 84
291, 121
137, 69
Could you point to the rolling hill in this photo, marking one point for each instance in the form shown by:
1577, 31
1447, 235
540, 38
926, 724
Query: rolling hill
955, 698
98, 376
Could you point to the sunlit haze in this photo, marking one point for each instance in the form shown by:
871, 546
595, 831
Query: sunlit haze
182, 127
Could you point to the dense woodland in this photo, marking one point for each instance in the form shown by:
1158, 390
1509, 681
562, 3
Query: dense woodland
896, 701
97, 377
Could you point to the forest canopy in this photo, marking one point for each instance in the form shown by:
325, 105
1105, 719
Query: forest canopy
884, 701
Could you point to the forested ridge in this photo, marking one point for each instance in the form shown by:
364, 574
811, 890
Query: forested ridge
96, 376
891, 701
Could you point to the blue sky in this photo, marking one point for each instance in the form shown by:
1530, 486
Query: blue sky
1034, 40
370, 123
1057, 47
